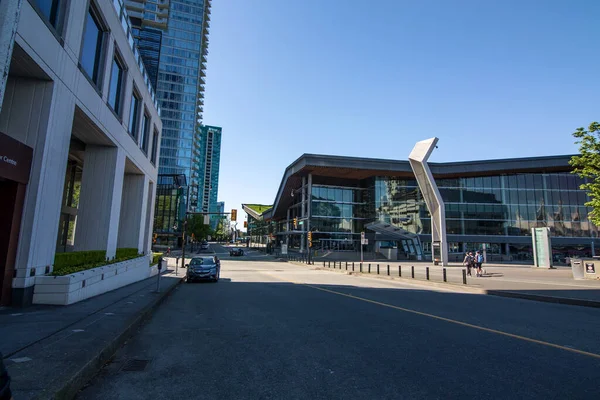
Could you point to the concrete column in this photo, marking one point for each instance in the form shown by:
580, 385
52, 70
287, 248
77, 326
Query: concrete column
39, 114
303, 214
309, 202
132, 221
150, 217
100, 199
9, 20
287, 235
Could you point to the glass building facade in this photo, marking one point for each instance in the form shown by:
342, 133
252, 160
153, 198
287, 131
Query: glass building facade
180, 87
495, 209
206, 170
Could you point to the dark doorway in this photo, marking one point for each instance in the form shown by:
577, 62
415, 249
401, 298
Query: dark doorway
11, 204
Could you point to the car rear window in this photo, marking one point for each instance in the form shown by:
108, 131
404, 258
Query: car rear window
202, 261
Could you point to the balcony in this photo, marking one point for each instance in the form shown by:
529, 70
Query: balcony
163, 4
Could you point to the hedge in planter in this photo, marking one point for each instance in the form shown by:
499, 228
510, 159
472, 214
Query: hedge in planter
70, 263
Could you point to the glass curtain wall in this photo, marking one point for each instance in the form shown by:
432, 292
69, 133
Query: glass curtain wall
494, 205
338, 215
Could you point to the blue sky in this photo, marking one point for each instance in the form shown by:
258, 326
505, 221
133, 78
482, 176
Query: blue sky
491, 79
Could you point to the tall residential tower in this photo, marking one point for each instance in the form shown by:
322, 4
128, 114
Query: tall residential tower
206, 169
183, 26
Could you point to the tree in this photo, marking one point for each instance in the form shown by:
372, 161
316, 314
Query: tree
587, 165
222, 232
195, 225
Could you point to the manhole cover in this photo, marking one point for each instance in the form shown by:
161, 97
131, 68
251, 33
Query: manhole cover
135, 365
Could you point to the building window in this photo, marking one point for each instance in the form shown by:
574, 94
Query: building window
48, 9
154, 147
116, 84
145, 129
91, 50
134, 114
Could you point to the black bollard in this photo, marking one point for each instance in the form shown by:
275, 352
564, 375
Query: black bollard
412, 271
388, 269
369, 267
445, 278
464, 276
361, 267
352, 266
377, 269
427, 273
399, 270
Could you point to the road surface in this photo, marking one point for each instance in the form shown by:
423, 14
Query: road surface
273, 330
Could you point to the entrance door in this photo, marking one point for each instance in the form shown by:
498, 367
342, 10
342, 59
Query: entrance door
9, 194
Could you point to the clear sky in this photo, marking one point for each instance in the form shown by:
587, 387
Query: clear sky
490, 78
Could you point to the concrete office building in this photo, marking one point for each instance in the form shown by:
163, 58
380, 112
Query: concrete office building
80, 135
492, 202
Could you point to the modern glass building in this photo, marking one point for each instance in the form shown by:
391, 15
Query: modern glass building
184, 27
493, 203
207, 150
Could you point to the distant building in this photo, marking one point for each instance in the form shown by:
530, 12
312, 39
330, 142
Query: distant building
491, 204
206, 170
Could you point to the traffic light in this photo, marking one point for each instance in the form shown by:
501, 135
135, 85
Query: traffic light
309, 239
154, 238
234, 215
245, 224
295, 222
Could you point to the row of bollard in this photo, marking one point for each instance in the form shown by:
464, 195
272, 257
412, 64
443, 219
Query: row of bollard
301, 258
412, 270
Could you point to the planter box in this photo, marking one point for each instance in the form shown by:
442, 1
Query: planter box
69, 289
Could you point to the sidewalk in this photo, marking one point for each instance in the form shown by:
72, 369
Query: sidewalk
541, 284
52, 351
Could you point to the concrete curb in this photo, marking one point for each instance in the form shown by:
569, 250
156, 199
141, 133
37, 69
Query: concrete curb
471, 290
546, 299
72, 386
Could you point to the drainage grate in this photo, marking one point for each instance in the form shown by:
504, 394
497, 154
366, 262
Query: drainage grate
135, 365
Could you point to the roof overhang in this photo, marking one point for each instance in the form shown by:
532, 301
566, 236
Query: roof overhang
357, 168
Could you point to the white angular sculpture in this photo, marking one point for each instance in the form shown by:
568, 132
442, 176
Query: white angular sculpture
435, 204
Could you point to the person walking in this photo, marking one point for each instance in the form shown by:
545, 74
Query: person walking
468, 262
478, 262
5, 393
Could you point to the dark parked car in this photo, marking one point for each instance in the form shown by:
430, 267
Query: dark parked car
203, 268
203, 245
236, 252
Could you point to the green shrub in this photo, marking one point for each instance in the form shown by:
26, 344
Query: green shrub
127, 252
78, 258
70, 263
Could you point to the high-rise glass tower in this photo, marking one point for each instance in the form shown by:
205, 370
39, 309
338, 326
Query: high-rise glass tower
180, 80
206, 169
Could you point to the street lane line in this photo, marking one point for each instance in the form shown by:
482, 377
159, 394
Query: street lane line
452, 321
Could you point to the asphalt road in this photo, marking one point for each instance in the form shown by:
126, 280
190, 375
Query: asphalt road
272, 330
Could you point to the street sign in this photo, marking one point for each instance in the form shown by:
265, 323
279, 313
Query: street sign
209, 237
362, 236
301, 223
365, 241
284, 249
206, 219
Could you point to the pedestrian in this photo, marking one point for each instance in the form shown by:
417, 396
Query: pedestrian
5, 393
478, 262
468, 262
